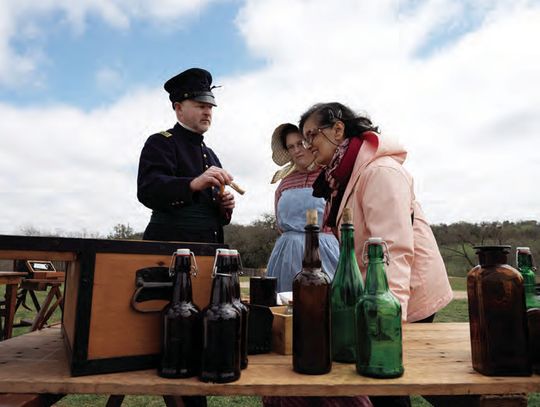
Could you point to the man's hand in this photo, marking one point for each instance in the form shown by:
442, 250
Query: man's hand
212, 177
226, 200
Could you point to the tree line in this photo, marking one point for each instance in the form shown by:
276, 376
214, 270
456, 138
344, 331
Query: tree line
456, 241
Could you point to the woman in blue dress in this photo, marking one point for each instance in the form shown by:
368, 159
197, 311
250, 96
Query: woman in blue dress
292, 199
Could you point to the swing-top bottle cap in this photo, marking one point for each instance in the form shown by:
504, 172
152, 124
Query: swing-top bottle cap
375, 240
311, 217
182, 252
523, 249
347, 216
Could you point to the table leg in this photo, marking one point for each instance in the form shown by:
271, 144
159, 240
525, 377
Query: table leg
506, 400
21, 300
11, 301
35, 300
173, 401
38, 320
49, 313
60, 296
115, 400
28, 400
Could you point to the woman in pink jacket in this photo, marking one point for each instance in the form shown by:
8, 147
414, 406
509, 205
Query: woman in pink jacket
364, 171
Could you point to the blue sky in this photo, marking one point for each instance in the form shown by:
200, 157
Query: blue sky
81, 90
144, 54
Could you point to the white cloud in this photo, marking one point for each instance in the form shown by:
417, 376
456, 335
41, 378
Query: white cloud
445, 107
109, 80
22, 20
467, 112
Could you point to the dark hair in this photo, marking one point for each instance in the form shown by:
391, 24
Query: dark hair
329, 113
286, 130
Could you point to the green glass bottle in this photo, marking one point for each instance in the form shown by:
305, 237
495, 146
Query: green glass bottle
378, 323
524, 262
347, 287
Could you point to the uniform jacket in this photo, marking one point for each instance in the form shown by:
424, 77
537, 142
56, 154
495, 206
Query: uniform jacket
169, 162
381, 195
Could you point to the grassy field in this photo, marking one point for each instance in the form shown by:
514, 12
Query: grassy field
456, 311
458, 283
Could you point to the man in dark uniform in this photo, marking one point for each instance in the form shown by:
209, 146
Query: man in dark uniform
179, 176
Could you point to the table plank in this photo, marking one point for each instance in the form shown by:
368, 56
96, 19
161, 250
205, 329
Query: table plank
436, 357
11, 277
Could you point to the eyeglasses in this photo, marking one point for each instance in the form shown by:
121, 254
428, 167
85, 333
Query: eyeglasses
310, 135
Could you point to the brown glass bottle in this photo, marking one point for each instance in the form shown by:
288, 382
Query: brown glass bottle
181, 333
312, 349
221, 329
240, 306
497, 318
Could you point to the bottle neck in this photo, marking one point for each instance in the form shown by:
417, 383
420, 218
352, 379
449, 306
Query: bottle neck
221, 290
228, 264
347, 240
223, 264
524, 261
182, 280
492, 257
376, 282
312, 258
235, 278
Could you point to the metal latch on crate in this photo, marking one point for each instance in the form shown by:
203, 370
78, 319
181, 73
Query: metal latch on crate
153, 286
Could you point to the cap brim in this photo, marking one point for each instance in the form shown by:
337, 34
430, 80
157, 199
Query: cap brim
205, 99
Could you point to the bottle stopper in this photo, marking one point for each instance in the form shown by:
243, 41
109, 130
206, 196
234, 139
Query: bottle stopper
347, 216
311, 217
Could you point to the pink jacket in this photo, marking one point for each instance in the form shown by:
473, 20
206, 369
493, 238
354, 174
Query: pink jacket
381, 195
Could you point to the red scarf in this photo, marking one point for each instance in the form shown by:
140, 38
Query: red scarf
333, 180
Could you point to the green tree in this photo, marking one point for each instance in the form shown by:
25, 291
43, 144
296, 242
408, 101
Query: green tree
254, 241
121, 231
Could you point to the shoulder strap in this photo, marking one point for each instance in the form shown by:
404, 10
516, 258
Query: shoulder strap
165, 133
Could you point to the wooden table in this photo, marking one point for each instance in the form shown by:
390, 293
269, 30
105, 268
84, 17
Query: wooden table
436, 357
11, 280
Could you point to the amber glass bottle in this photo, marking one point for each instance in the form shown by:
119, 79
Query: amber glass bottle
311, 308
347, 287
221, 329
378, 313
239, 305
497, 318
181, 333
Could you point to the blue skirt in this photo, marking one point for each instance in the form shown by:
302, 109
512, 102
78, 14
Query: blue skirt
286, 259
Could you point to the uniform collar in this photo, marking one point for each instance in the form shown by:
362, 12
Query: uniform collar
189, 133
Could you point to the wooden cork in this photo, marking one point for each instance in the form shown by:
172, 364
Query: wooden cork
347, 216
311, 217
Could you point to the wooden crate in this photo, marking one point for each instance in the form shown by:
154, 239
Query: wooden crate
102, 331
281, 330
